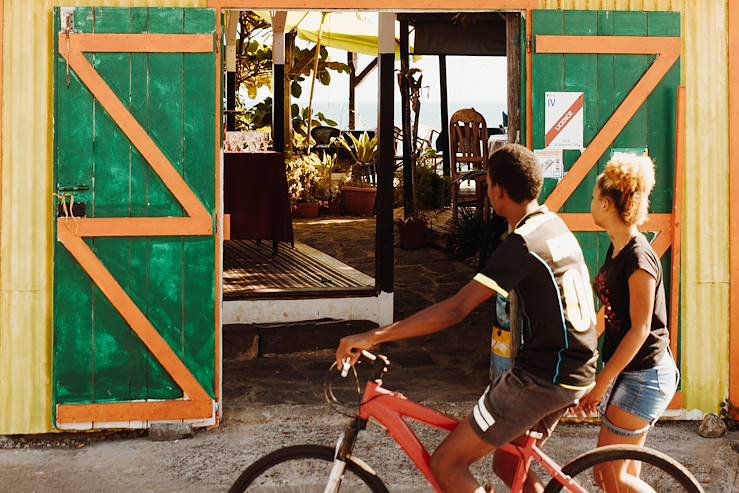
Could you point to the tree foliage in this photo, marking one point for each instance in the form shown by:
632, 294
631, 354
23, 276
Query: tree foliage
254, 65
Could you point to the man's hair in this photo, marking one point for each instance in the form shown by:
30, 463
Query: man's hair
516, 169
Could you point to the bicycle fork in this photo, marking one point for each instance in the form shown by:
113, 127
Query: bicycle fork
344, 447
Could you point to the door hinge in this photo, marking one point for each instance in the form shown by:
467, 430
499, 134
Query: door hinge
67, 27
67, 19
529, 45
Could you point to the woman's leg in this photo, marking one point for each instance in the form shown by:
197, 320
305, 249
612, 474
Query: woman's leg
622, 428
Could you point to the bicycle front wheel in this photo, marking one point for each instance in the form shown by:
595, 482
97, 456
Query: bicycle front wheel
627, 468
305, 469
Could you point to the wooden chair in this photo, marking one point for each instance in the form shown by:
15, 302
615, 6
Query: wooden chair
468, 133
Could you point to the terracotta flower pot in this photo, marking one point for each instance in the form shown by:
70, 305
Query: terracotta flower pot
413, 233
306, 210
359, 201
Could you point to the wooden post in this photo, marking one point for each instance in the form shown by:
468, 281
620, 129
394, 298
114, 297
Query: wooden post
444, 117
406, 120
287, 94
231, 84
350, 57
231, 101
278, 80
384, 238
513, 55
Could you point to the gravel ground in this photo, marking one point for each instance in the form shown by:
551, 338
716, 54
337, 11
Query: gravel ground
277, 401
212, 460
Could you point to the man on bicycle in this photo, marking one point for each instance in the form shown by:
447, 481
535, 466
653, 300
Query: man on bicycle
555, 365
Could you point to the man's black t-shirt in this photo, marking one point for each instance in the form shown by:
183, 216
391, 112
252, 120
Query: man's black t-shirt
612, 285
542, 261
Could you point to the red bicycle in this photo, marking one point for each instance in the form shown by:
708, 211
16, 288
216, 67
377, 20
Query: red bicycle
318, 468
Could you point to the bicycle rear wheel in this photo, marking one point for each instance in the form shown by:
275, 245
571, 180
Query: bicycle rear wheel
602, 470
305, 469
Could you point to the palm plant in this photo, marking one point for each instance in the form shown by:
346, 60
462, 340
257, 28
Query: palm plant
363, 152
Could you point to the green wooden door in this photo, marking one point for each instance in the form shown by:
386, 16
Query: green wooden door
167, 274
606, 80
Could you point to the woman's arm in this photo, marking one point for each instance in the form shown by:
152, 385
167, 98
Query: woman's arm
433, 319
641, 307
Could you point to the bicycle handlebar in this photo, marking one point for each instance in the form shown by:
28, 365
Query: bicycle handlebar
367, 355
380, 364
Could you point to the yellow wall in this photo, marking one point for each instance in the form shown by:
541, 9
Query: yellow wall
26, 243
25, 219
705, 273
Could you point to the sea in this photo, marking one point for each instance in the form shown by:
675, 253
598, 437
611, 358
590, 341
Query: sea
430, 115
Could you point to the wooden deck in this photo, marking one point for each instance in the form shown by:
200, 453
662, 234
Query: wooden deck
250, 271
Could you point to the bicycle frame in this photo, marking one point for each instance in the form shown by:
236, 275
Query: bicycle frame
389, 408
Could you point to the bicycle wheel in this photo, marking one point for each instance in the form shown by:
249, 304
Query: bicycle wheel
598, 470
305, 469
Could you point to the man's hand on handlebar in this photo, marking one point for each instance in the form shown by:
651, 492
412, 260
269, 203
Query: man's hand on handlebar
350, 348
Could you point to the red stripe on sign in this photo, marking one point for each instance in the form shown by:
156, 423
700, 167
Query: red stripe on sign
565, 119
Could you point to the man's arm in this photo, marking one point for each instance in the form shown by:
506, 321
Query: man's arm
435, 318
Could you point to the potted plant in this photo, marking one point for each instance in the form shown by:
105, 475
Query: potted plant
431, 187
329, 187
303, 184
412, 229
359, 194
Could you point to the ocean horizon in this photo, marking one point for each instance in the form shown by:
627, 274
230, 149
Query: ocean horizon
430, 116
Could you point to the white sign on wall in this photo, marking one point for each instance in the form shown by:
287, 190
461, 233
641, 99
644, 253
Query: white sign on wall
551, 162
563, 120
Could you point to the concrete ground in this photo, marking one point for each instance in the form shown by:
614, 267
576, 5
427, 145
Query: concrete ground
277, 400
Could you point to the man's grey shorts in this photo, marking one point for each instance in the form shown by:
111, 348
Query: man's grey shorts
516, 402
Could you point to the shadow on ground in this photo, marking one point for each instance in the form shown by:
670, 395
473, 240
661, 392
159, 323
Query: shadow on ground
449, 366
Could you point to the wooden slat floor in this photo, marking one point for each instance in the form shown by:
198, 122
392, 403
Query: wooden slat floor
251, 271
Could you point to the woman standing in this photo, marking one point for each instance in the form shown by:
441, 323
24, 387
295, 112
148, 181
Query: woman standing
640, 377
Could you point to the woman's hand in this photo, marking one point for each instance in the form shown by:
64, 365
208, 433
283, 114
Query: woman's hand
589, 404
350, 347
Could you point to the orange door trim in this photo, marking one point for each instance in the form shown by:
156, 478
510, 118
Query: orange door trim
677, 216
73, 46
667, 50
196, 403
218, 103
130, 411
658, 223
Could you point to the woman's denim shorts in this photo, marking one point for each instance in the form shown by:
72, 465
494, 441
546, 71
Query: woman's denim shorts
642, 393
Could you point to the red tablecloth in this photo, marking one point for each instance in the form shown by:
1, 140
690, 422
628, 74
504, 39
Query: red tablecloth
255, 195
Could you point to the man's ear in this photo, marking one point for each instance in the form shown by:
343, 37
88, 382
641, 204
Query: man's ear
500, 193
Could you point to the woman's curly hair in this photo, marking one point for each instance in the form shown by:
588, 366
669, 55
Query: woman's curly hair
628, 180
